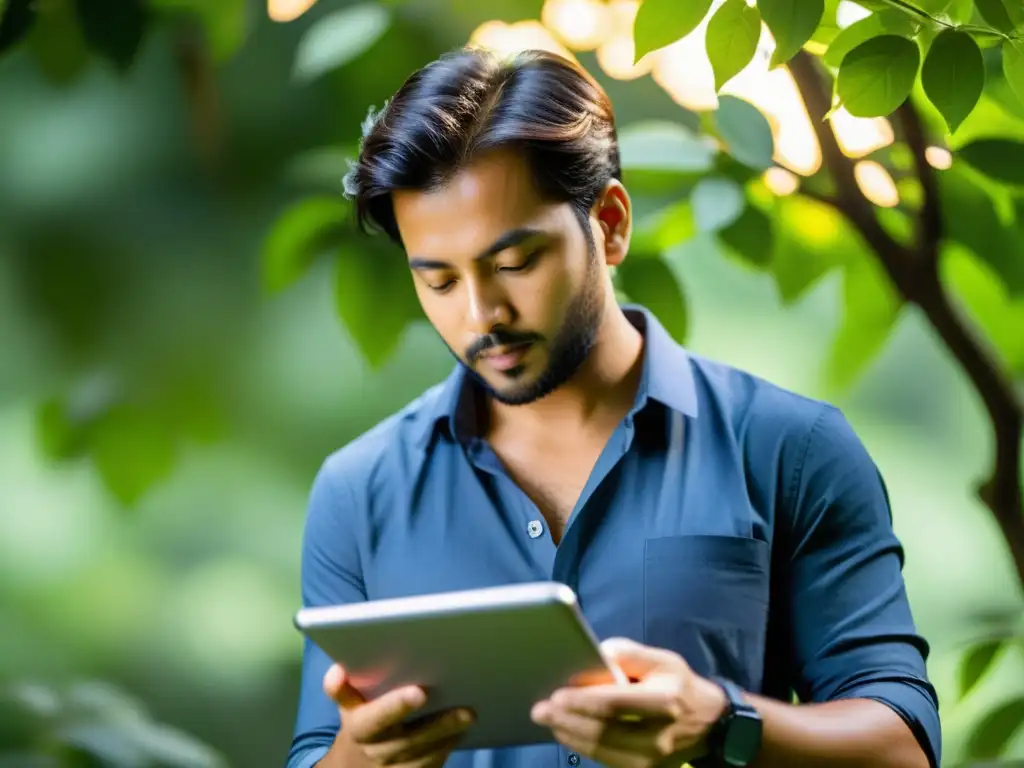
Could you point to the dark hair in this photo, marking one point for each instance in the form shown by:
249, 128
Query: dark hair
470, 101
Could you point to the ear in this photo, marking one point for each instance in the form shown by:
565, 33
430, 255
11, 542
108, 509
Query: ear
613, 211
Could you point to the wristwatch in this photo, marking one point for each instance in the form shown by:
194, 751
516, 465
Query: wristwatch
736, 738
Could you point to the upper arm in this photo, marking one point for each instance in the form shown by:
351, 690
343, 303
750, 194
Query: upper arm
331, 575
852, 628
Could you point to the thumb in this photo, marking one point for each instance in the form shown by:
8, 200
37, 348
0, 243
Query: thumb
340, 690
636, 660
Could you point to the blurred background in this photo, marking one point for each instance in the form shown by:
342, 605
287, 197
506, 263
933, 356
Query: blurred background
186, 331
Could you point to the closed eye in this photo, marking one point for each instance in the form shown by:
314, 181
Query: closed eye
442, 288
527, 263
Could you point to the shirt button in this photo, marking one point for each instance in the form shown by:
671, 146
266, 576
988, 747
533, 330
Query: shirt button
535, 529
574, 759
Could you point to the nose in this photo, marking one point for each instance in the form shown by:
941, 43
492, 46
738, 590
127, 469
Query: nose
488, 307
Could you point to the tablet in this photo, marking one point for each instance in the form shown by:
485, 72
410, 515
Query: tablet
497, 650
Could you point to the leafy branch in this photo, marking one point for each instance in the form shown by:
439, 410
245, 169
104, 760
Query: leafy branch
914, 272
913, 10
972, 29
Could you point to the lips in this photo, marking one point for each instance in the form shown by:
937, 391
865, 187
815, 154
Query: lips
507, 357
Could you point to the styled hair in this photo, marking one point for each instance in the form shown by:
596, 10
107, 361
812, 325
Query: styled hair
469, 102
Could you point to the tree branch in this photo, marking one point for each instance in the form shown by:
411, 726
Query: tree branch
821, 197
200, 87
849, 199
915, 274
929, 228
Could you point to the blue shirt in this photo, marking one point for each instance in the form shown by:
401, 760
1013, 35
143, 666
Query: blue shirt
743, 526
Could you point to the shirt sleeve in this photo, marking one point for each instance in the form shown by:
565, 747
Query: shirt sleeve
854, 635
331, 575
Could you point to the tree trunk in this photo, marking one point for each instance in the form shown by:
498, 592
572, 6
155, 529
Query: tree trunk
915, 274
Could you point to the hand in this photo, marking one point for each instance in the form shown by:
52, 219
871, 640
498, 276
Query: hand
663, 716
374, 733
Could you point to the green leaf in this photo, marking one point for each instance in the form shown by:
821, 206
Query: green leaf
662, 22
132, 449
653, 284
792, 23
993, 734
375, 299
976, 662
750, 237
57, 44
717, 202
58, 437
227, 26
811, 239
999, 93
953, 76
995, 13
871, 307
339, 38
876, 77
974, 222
100, 701
322, 168
883, 22
664, 146
999, 159
298, 236
662, 230
829, 28
114, 28
746, 132
985, 299
64, 424
225, 22
1016, 11
953, 11
731, 39
15, 22
1013, 66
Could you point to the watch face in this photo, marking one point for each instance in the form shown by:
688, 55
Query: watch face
742, 739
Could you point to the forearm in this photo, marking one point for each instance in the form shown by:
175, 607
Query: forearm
850, 733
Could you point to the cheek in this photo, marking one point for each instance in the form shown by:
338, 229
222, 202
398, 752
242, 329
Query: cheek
444, 313
548, 295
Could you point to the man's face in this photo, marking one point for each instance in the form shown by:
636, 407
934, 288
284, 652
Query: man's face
509, 281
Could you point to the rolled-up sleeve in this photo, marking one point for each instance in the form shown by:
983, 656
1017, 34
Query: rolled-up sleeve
331, 575
853, 632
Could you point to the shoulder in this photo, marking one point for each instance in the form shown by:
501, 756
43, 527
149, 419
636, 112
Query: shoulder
803, 443
382, 453
749, 402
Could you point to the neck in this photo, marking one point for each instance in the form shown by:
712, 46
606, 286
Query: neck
604, 386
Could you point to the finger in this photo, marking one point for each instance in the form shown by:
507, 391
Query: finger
372, 721
635, 659
607, 702
429, 739
339, 689
437, 758
592, 734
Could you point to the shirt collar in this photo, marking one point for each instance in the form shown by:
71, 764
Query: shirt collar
667, 373
667, 378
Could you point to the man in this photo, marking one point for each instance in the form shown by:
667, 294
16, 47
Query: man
730, 541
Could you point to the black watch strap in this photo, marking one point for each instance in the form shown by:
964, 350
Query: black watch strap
735, 740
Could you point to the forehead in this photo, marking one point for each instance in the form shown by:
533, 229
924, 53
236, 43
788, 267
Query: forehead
493, 194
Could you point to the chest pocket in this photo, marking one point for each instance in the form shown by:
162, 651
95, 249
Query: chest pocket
706, 598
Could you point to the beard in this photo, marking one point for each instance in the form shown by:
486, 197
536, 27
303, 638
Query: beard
567, 351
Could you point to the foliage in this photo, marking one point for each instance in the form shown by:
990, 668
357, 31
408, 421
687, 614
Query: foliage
1004, 634
943, 62
957, 65
90, 725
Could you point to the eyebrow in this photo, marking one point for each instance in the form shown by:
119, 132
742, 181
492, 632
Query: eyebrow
509, 239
